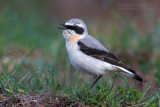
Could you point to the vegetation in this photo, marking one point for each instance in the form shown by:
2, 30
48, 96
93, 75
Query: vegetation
33, 60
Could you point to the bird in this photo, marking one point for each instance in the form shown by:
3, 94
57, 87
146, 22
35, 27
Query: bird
88, 55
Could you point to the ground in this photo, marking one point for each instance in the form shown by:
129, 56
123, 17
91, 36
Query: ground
35, 68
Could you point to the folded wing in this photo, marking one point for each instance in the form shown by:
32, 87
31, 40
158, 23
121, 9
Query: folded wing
104, 55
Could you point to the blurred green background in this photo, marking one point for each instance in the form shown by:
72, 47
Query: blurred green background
31, 44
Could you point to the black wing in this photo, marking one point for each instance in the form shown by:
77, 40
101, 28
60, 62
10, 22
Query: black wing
102, 55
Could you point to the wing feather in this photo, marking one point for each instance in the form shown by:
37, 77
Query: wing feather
92, 43
103, 55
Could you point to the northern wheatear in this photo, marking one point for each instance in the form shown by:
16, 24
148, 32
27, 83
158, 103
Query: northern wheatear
88, 55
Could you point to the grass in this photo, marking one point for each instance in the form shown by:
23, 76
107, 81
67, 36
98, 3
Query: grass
105, 93
33, 59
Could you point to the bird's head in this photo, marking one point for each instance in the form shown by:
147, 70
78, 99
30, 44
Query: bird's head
74, 27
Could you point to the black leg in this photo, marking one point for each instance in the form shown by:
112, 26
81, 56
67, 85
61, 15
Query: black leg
96, 78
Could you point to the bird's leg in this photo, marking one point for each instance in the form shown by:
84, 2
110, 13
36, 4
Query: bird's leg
96, 78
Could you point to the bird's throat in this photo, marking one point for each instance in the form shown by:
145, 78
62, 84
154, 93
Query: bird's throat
74, 38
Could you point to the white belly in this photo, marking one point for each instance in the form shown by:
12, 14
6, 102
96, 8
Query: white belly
87, 64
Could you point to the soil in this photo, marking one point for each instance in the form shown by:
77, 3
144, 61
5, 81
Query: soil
37, 100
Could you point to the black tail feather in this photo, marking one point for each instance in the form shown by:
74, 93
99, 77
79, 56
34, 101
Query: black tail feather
134, 76
137, 77
131, 73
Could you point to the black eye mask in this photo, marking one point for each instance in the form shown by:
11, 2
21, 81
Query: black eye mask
76, 28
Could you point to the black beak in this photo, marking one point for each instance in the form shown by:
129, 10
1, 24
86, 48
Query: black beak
63, 26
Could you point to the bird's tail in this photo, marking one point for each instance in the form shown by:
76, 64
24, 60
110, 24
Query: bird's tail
130, 73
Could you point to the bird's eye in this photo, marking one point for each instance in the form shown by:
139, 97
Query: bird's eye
78, 30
